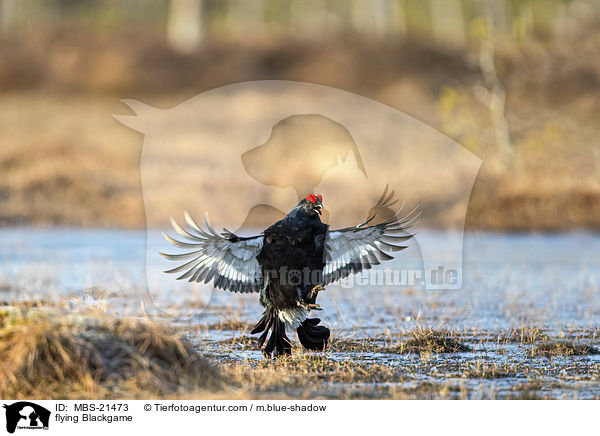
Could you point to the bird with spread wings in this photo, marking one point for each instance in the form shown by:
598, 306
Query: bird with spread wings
288, 264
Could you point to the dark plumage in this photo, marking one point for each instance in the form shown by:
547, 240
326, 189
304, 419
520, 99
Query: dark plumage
288, 264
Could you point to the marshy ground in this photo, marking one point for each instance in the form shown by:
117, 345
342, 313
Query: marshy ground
50, 353
422, 363
525, 325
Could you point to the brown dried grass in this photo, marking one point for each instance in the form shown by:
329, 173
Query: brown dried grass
554, 349
44, 356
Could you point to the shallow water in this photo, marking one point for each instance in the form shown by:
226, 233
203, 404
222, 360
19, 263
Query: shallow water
510, 281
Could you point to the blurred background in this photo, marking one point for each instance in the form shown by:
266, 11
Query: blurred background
517, 82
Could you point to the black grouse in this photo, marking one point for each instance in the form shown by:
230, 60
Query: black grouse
288, 264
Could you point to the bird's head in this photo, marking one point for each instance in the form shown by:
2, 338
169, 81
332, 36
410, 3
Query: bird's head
312, 204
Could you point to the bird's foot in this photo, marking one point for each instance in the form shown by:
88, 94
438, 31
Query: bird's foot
312, 306
316, 290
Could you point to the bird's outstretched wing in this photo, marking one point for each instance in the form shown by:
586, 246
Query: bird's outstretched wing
354, 249
226, 259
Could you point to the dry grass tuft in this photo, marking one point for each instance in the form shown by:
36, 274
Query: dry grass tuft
430, 341
420, 341
524, 335
230, 325
553, 349
44, 356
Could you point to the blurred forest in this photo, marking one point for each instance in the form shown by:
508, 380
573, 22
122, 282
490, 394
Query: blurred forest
517, 82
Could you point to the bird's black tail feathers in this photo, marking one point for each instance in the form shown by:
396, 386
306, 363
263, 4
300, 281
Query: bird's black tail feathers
312, 335
278, 344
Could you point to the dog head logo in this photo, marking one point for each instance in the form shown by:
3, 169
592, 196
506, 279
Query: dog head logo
248, 152
26, 415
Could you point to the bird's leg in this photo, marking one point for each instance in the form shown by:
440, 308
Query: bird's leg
315, 291
312, 296
310, 306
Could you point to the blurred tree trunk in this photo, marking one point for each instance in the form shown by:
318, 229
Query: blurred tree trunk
596, 156
359, 15
380, 17
495, 95
247, 18
309, 18
8, 15
447, 21
401, 25
376, 17
185, 29
524, 20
